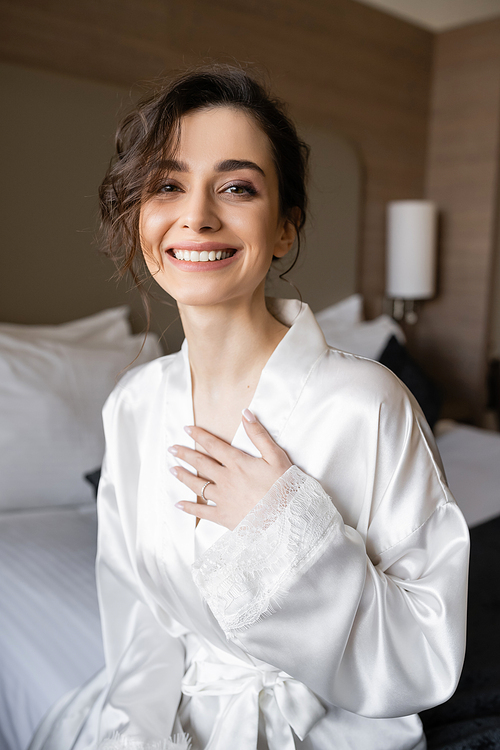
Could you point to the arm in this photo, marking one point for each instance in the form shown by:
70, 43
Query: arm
144, 661
379, 640
374, 624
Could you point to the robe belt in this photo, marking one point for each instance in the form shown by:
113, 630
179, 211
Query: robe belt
285, 704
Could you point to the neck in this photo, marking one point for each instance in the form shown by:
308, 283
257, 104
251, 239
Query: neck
229, 344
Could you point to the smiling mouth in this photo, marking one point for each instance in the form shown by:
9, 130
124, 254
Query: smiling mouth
194, 256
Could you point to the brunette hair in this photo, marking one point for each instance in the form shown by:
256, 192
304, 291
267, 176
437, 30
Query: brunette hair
149, 135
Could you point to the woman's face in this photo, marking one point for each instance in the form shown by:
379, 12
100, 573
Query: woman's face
209, 233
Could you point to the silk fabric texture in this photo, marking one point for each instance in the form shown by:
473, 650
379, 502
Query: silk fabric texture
327, 619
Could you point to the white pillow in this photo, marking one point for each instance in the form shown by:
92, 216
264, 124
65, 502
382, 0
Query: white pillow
51, 396
104, 327
471, 458
347, 312
368, 338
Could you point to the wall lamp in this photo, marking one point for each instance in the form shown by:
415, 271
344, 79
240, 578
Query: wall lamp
411, 256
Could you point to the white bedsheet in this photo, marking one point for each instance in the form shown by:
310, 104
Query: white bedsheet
50, 639
471, 458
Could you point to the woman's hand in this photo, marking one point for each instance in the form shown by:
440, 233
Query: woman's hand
237, 480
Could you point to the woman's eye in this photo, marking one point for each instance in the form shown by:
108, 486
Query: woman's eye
240, 190
168, 188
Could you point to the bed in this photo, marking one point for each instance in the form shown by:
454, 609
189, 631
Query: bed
50, 639
53, 382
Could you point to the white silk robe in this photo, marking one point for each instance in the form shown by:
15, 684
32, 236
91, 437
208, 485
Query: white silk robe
326, 620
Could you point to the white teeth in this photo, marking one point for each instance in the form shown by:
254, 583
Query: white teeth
194, 256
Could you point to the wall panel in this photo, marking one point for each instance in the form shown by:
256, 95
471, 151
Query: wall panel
451, 338
342, 66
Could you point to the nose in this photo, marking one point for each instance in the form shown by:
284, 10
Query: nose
200, 211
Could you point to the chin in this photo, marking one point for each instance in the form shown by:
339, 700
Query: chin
195, 297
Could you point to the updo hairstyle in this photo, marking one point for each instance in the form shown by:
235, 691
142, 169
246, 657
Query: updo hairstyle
150, 134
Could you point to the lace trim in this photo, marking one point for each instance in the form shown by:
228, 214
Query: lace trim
121, 742
244, 576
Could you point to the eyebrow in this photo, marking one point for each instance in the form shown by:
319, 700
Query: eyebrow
229, 165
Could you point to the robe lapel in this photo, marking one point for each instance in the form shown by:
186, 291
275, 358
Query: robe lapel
279, 387
178, 406
277, 392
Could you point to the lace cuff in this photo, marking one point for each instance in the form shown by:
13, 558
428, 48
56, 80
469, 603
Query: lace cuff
122, 742
245, 574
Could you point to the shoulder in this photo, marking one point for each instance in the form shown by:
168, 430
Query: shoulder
371, 383
372, 394
383, 419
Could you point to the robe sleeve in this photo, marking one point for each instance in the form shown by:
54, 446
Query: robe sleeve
371, 622
144, 661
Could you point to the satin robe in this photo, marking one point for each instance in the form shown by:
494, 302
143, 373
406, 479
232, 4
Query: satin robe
327, 619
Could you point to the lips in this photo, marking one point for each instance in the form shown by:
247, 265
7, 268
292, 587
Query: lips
201, 256
204, 252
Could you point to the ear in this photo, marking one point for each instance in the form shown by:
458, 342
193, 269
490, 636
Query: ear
286, 233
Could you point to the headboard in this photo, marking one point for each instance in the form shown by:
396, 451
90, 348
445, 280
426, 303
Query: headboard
59, 132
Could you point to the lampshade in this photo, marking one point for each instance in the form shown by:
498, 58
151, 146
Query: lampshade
411, 249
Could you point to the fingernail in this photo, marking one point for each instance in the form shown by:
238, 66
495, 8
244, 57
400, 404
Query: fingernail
180, 506
188, 430
248, 415
173, 450
173, 471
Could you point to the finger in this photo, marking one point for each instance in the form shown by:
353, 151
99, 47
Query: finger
192, 481
260, 436
214, 446
202, 462
208, 512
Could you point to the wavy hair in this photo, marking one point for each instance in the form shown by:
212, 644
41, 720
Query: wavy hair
150, 134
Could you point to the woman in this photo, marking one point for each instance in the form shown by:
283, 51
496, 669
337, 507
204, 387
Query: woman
291, 579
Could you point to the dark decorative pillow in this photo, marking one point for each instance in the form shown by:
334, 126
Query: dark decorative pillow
395, 356
93, 478
471, 718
